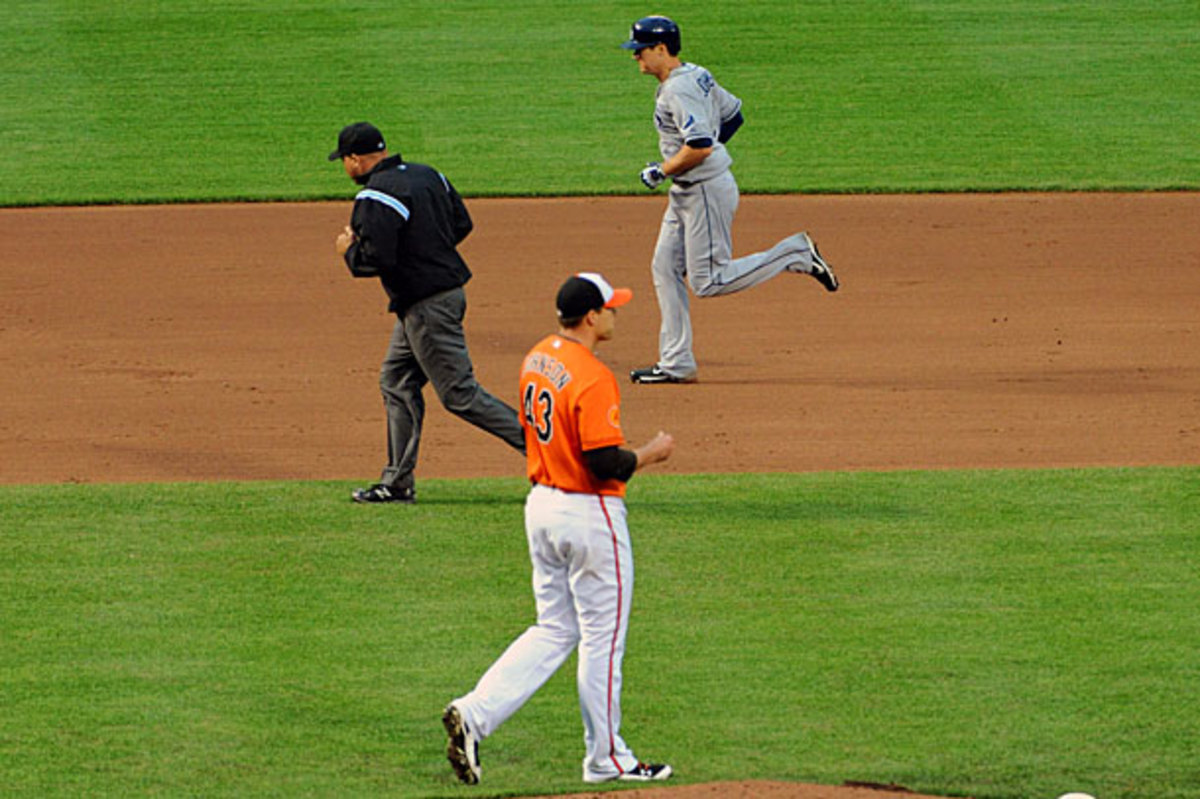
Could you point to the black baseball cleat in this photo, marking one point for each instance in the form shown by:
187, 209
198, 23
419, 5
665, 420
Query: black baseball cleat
652, 374
383, 493
647, 772
642, 772
462, 747
821, 270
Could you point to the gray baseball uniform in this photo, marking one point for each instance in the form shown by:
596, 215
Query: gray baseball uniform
695, 245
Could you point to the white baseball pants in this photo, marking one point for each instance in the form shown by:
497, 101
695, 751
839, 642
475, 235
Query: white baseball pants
583, 583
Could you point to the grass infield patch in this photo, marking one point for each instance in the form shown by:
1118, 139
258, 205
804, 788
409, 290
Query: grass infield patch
993, 633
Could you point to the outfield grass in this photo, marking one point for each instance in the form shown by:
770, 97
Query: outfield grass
192, 100
993, 633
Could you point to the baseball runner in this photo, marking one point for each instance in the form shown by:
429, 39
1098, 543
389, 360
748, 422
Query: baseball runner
404, 229
578, 542
695, 117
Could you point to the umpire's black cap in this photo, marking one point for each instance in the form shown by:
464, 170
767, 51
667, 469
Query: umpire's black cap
361, 138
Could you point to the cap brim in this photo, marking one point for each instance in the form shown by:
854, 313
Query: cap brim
632, 45
336, 155
619, 298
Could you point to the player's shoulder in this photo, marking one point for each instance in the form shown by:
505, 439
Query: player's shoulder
595, 373
547, 346
566, 363
691, 79
591, 369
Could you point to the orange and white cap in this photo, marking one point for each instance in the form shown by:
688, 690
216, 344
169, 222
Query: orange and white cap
589, 291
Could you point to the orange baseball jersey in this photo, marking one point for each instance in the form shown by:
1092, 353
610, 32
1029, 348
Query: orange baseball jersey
569, 404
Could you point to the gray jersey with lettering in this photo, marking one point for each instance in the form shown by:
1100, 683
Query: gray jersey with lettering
689, 108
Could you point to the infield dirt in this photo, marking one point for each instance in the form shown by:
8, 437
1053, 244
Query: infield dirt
228, 342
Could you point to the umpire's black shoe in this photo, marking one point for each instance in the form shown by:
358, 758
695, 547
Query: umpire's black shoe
821, 269
384, 493
652, 374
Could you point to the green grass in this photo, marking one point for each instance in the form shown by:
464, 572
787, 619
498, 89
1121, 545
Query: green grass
998, 634
184, 100
993, 633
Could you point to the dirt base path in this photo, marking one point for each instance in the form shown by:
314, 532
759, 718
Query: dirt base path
228, 342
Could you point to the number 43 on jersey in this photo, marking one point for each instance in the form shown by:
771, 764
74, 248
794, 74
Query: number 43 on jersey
539, 412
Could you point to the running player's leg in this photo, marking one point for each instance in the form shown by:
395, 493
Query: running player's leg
670, 284
712, 270
538, 652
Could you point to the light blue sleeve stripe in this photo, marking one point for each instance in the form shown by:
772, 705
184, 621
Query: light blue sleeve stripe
386, 199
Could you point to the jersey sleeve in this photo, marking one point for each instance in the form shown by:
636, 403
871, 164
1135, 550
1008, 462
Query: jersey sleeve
377, 220
728, 106
599, 414
461, 219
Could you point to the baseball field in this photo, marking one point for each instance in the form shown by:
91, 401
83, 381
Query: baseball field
935, 533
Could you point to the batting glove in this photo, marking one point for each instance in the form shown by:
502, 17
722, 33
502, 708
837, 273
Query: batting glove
653, 175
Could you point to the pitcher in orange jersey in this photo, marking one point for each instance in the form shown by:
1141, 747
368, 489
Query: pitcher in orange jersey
578, 542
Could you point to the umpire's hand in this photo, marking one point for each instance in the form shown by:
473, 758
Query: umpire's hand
344, 240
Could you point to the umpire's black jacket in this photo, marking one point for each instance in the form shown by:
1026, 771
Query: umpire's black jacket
407, 222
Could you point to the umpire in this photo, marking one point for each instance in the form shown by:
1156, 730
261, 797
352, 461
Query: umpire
405, 227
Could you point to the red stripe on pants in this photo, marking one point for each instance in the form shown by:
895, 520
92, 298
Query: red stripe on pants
612, 650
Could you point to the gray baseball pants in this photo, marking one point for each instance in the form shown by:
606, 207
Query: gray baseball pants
695, 249
428, 345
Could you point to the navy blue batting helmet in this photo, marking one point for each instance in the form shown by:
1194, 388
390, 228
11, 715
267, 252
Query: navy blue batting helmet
649, 31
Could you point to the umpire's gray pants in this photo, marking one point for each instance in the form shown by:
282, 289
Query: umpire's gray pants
428, 345
695, 249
